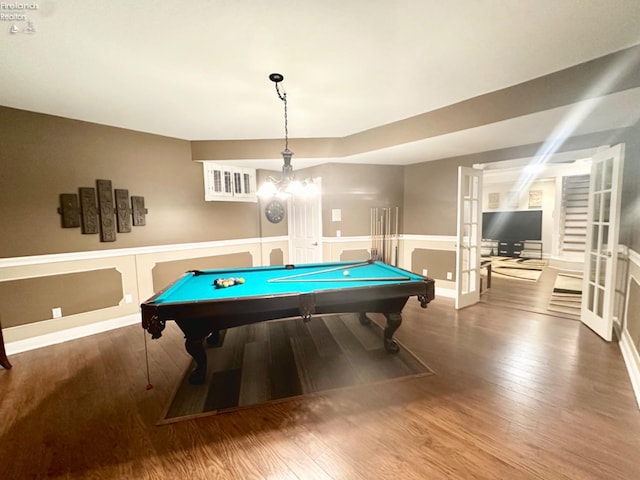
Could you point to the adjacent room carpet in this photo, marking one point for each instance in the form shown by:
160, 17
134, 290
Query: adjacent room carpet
567, 294
282, 359
518, 268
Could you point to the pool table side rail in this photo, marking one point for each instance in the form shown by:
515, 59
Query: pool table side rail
239, 311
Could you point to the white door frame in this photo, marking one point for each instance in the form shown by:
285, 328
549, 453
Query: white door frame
312, 233
603, 225
469, 236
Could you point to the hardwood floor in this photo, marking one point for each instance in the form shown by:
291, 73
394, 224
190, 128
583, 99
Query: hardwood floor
523, 294
516, 395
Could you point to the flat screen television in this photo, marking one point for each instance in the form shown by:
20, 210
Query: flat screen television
512, 226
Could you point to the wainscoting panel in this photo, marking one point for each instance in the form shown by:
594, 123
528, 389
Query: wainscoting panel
99, 290
29, 300
630, 338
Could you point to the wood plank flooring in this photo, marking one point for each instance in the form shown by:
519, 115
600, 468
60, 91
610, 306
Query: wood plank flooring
515, 395
525, 295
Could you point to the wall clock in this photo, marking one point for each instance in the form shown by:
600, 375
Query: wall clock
274, 211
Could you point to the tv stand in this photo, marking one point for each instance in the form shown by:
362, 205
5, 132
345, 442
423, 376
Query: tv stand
510, 249
520, 249
514, 249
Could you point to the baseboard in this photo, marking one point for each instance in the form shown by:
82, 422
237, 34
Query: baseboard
445, 292
70, 334
632, 361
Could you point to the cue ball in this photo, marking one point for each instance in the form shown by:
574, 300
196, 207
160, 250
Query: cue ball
346, 273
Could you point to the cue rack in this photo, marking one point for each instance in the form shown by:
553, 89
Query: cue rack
384, 235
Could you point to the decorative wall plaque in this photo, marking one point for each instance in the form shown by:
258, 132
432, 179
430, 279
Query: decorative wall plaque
123, 210
535, 198
105, 207
102, 213
139, 212
89, 210
69, 210
494, 200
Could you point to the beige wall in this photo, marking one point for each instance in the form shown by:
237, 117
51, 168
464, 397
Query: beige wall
354, 190
630, 208
43, 156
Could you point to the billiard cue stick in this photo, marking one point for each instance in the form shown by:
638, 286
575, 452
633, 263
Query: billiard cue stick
381, 232
388, 234
372, 245
365, 279
332, 269
372, 229
377, 224
378, 245
397, 237
146, 358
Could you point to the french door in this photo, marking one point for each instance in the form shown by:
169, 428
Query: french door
602, 241
469, 236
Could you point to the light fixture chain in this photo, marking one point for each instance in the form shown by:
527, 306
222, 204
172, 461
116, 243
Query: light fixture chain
283, 97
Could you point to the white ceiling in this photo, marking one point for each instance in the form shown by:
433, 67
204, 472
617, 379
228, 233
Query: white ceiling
198, 70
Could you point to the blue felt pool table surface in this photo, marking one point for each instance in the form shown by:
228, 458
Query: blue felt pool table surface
260, 281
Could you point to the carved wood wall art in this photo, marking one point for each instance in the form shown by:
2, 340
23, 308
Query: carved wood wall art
139, 212
106, 213
89, 210
69, 210
123, 210
105, 207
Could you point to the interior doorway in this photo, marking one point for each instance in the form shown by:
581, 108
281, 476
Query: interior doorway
305, 227
543, 275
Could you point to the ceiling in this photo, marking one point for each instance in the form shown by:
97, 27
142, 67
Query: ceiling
199, 70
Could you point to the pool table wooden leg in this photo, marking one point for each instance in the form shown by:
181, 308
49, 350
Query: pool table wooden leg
394, 320
195, 348
4, 361
364, 320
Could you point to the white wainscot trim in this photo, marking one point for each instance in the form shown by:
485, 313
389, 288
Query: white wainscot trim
280, 239
416, 238
430, 238
70, 334
346, 239
123, 252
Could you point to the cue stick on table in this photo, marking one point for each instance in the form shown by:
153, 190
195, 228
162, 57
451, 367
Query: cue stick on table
333, 269
368, 279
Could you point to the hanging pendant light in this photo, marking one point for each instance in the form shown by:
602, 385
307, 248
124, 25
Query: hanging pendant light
286, 185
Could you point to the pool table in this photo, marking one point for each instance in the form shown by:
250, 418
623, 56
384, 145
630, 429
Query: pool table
201, 308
